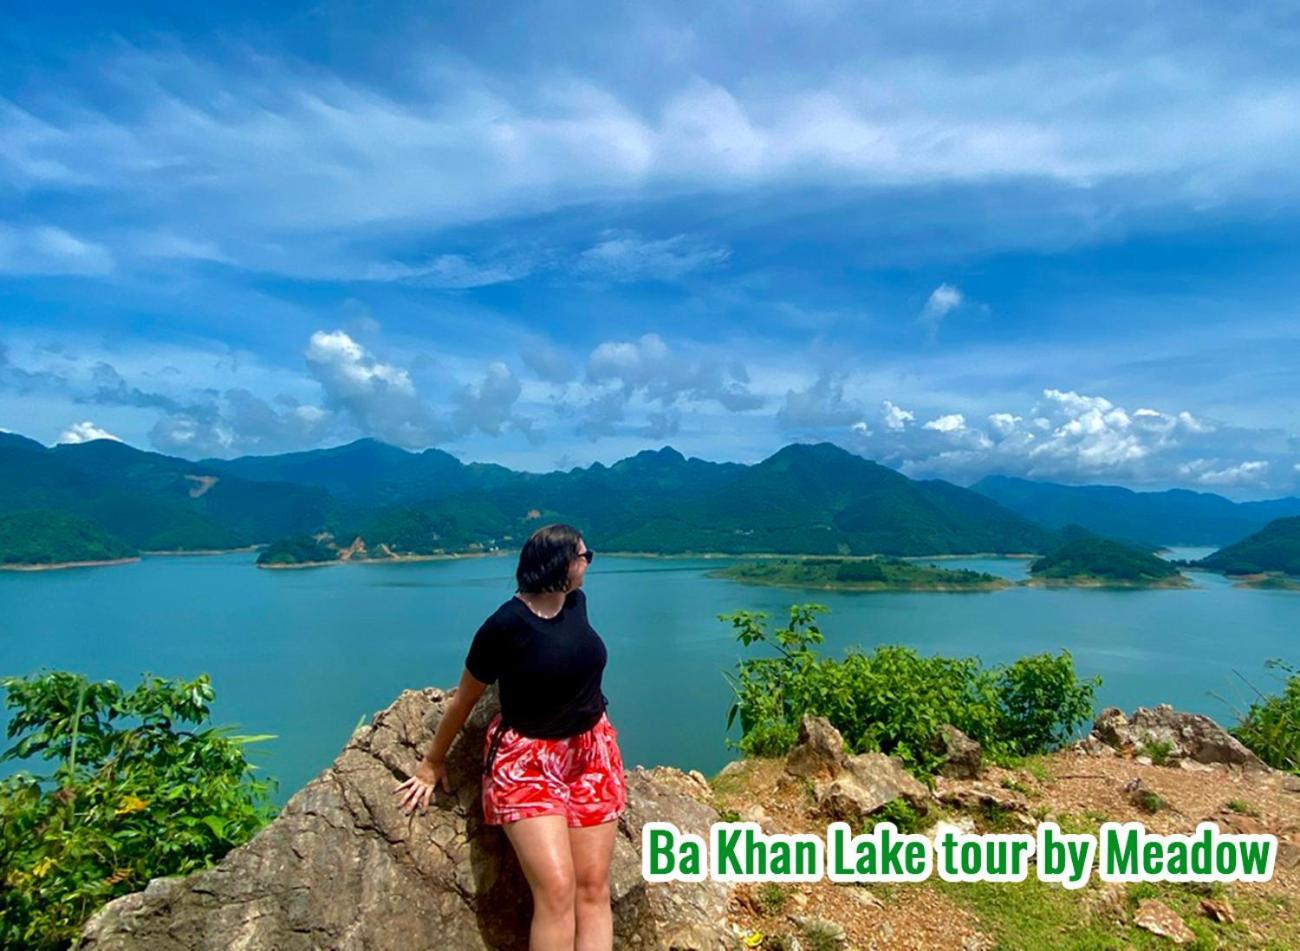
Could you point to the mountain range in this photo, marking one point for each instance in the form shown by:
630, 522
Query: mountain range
804, 498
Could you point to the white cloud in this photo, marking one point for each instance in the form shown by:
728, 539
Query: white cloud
861, 428
378, 398
649, 368
1203, 472
450, 271
85, 431
1004, 423
896, 418
943, 299
626, 256
951, 423
48, 250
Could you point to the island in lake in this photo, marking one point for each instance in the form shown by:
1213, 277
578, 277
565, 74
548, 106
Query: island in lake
859, 574
1093, 561
1270, 558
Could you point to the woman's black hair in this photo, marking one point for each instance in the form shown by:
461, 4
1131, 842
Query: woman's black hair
545, 559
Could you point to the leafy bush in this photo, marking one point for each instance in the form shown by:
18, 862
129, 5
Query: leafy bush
1271, 727
894, 700
132, 796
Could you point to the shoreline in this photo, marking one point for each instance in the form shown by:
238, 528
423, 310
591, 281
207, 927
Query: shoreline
183, 552
722, 554
1183, 584
60, 565
395, 560
879, 588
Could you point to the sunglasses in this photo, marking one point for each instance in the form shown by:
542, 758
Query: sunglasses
587, 555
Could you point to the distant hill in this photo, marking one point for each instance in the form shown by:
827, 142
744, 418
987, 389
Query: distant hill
1096, 560
152, 501
1174, 517
370, 473
49, 538
1276, 547
804, 499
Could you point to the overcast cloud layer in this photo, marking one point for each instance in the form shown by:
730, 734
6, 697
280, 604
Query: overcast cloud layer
960, 240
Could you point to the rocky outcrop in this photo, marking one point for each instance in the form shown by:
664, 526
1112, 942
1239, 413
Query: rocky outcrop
343, 867
1176, 735
849, 787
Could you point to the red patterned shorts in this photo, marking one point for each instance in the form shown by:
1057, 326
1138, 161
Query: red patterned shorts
579, 777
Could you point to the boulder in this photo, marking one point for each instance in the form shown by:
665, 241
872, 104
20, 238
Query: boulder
1189, 736
342, 867
868, 782
962, 757
820, 750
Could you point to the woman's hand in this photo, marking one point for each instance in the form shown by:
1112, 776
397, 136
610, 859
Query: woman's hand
418, 790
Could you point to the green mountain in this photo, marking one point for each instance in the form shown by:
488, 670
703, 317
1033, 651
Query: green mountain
1174, 517
152, 501
369, 473
1091, 559
1275, 547
48, 538
804, 499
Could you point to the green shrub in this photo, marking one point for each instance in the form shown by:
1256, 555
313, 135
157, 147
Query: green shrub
894, 700
132, 796
1271, 727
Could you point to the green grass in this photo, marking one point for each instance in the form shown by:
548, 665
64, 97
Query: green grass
1158, 751
1242, 808
1032, 915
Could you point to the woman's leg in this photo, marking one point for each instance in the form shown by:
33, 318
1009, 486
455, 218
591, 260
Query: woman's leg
542, 845
593, 849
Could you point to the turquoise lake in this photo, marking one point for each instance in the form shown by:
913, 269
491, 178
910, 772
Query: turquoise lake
306, 654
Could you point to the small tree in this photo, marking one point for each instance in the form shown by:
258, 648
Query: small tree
132, 795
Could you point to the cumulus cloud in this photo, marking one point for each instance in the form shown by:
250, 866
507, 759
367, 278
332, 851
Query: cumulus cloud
488, 405
896, 418
1080, 437
649, 368
818, 406
1202, 471
378, 398
951, 423
85, 431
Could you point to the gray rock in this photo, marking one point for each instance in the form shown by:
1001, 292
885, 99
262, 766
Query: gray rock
963, 758
342, 867
868, 782
820, 750
1187, 735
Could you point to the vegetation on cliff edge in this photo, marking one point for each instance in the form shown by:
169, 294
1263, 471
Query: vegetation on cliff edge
140, 787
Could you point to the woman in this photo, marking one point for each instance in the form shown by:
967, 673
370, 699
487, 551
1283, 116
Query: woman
553, 773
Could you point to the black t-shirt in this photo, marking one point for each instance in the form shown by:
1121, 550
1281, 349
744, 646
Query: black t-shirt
549, 668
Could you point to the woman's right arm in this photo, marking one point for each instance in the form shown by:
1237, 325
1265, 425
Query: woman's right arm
433, 768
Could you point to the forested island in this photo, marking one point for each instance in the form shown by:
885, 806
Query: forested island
1092, 561
865, 574
1268, 559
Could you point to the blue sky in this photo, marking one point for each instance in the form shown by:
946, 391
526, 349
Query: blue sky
957, 238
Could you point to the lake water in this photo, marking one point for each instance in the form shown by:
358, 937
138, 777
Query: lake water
306, 654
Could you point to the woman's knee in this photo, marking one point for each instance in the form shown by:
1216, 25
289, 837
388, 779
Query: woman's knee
592, 889
555, 890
